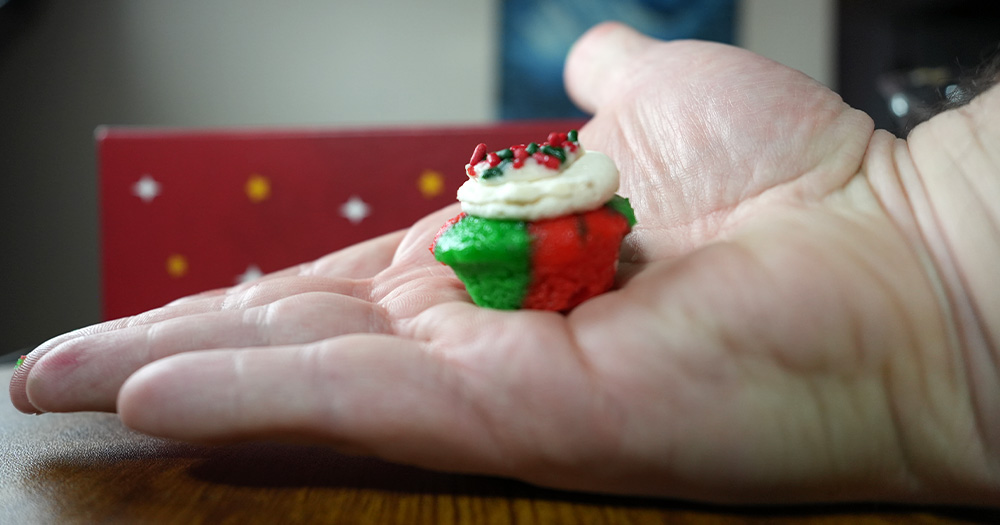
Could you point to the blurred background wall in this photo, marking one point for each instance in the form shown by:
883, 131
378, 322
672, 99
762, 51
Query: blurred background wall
67, 67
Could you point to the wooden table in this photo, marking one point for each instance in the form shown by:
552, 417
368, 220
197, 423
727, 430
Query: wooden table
88, 468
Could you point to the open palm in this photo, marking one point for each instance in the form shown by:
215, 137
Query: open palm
774, 335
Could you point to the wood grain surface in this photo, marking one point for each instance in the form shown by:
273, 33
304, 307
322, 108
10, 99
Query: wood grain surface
88, 468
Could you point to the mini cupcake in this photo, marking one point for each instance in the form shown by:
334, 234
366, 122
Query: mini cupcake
540, 228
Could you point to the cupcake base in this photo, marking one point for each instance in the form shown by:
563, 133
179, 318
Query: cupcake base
550, 264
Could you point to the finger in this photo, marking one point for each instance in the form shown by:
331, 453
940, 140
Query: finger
366, 393
85, 373
414, 248
259, 294
360, 261
18, 382
600, 60
493, 392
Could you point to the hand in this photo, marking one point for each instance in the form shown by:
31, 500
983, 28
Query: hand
781, 332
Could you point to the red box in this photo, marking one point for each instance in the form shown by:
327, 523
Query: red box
184, 211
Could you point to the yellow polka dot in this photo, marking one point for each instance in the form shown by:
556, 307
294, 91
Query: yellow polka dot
258, 188
430, 183
177, 266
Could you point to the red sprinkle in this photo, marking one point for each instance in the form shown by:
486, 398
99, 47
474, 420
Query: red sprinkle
493, 158
556, 139
478, 154
520, 155
548, 161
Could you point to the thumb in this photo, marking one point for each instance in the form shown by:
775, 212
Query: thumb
600, 60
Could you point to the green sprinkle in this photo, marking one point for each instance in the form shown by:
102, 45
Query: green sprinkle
621, 205
555, 152
571, 136
505, 154
532, 148
495, 171
20, 360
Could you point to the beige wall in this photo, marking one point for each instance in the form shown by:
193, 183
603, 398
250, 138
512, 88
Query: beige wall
232, 62
797, 33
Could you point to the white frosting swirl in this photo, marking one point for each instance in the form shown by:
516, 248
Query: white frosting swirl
589, 182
